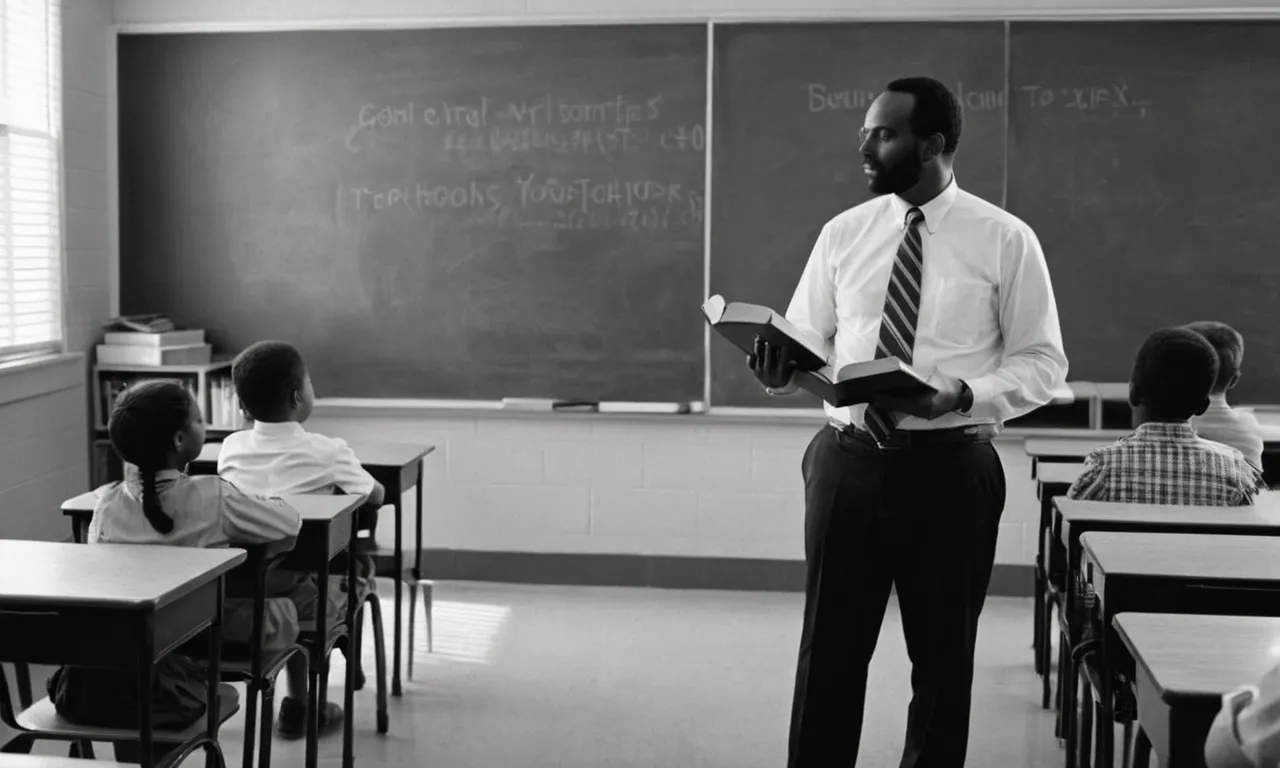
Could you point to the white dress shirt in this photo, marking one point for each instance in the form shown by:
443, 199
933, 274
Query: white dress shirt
284, 458
207, 512
987, 310
1246, 732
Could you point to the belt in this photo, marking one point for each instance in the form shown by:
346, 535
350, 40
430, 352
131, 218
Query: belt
903, 439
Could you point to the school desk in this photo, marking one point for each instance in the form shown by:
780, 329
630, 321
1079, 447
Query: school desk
44, 761
55, 595
1183, 664
1065, 450
398, 466
1183, 573
1073, 518
328, 527
1054, 480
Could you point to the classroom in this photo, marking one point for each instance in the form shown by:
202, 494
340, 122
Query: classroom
491, 229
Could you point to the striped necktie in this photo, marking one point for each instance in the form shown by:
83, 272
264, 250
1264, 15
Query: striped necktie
898, 321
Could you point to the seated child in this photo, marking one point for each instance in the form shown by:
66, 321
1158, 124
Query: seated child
156, 428
1246, 731
1220, 422
1164, 461
278, 456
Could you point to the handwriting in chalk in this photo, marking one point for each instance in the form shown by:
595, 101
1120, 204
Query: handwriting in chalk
540, 200
621, 113
825, 98
1115, 98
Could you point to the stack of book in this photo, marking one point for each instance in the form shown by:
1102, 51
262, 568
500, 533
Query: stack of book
153, 341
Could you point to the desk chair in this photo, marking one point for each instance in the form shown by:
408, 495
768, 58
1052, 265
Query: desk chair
250, 664
42, 721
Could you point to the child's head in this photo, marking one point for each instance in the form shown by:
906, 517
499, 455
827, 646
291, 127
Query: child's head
1172, 376
1229, 345
272, 382
156, 425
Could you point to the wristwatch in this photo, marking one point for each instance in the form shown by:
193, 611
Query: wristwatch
966, 399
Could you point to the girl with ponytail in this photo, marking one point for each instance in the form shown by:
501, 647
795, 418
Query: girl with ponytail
156, 428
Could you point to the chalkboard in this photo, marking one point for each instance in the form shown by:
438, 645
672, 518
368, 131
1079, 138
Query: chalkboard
1139, 152
432, 213
788, 100
1143, 155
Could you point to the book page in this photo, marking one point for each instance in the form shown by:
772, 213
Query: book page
803, 337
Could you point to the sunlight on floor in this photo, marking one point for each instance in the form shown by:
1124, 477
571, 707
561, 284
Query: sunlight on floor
464, 632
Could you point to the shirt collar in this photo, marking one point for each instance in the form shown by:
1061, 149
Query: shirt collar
133, 478
934, 211
278, 429
1164, 430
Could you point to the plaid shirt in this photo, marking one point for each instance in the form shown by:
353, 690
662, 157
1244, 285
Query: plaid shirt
1164, 463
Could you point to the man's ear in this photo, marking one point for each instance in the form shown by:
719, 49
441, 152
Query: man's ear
1235, 379
933, 146
1135, 395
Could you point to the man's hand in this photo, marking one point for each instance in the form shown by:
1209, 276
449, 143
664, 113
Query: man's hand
927, 406
770, 365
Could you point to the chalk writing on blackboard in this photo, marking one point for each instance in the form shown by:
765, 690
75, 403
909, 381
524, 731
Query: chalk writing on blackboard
535, 200
1116, 99
827, 98
620, 115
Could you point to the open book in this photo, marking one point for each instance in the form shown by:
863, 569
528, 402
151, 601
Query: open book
860, 382
740, 323
855, 383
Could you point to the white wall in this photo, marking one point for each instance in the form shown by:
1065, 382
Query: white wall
705, 486
279, 12
43, 417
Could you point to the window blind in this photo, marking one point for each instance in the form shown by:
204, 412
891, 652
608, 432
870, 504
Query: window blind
30, 177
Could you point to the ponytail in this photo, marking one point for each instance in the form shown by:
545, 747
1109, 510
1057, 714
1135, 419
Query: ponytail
142, 428
151, 506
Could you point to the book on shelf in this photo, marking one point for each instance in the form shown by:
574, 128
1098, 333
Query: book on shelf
124, 354
164, 339
152, 323
854, 383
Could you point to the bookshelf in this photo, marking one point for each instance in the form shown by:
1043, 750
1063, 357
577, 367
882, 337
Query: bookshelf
210, 383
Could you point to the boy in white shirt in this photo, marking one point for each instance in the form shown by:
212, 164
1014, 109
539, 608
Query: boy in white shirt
1220, 422
277, 456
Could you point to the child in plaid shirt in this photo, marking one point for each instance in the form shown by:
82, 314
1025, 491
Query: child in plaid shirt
1164, 461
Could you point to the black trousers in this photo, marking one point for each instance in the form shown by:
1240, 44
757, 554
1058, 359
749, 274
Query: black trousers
924, 519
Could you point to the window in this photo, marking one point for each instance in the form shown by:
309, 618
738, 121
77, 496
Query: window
30, 177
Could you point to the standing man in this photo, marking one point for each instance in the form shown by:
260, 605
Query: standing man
910, 491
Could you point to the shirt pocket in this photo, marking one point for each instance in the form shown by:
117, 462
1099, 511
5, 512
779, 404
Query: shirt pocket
964, 312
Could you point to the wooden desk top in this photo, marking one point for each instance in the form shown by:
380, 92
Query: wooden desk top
1068, 447
45, 761
1058, 473
1261, 516
106, 575
370, 454
1191, 556
1190, 656
317, 507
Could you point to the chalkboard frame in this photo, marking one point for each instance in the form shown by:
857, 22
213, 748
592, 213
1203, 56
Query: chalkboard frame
712, 23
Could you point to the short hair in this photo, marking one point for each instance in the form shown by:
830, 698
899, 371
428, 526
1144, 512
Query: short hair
937, 110
142, 425
266, 373
1174, 372
1229, 345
